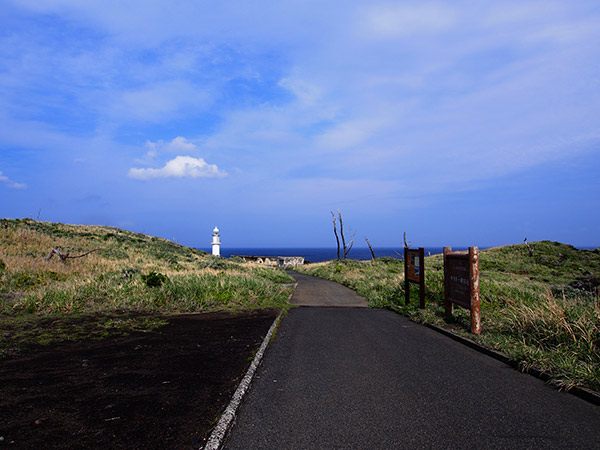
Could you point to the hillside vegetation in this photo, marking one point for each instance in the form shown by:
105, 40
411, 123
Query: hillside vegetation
129, 282
542, 309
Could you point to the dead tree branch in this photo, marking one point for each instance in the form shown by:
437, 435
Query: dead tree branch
529, 248
342, 232
64, 256
406, 245
370, 248
347, 247
337, 238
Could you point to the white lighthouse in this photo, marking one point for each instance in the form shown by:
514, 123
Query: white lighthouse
216, 243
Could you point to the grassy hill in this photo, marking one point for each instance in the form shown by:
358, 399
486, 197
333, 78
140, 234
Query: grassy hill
128, 282
542, 309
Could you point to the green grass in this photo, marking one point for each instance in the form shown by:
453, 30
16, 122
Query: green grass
131, 274
541, 310
21, 332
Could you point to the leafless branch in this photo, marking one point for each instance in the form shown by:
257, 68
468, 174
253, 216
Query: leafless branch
342, 232
64, 256
406, 245
337, 238
350, 245
528, 247
346, 246
370, 248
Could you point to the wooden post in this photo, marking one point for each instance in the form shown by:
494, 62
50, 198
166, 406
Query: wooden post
422, 281
406, 282
461, 284
414, 271
475, 301
448, 306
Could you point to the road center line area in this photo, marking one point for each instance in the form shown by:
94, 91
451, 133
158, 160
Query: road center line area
337, 378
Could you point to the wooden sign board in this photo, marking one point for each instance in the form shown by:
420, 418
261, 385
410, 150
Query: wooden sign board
458, 287
461, 283
413, 265
414, 270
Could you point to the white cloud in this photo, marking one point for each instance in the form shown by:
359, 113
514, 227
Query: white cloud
444, 86
179, 167
11, 184
181, 144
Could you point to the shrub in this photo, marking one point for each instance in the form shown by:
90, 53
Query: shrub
214, 262
154, 279
389, 260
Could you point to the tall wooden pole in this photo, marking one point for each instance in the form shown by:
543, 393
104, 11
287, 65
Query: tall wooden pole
422, 277
448, 306
475, 301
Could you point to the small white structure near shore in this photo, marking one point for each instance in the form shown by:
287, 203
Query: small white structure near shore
272, 261
216, 242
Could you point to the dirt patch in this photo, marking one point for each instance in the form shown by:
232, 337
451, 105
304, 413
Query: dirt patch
160, 389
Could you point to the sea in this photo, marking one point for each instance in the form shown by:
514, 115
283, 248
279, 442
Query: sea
326, 254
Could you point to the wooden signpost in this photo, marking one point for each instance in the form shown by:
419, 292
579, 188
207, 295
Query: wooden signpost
414, 270
461, 283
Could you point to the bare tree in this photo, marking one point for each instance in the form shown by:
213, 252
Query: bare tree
370, 248
337, 238
529, 248
347, 246
406, 245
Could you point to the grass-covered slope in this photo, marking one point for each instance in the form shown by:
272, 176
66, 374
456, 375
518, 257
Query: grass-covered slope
131, 273
543, 310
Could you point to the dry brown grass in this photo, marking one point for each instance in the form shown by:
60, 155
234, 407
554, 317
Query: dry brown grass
112, 278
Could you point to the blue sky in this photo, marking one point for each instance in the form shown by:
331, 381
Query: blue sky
461, 123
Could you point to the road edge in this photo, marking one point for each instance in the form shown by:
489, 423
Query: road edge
583, 393
218, 434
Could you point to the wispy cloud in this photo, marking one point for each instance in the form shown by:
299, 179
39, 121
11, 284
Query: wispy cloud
349, 134
10, 183
155, 102
177, 145
179, 167
393, 20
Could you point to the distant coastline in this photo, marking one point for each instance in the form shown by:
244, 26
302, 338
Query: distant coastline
320, 254
323, 254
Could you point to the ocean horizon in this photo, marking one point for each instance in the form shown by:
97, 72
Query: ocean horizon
325, 254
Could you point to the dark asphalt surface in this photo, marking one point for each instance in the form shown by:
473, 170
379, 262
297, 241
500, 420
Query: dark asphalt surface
352, 378
313, 291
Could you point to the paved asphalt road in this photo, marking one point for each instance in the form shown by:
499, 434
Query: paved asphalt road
355, 378
313, 291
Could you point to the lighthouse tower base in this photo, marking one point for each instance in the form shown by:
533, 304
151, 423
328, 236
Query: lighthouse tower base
216, 242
